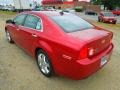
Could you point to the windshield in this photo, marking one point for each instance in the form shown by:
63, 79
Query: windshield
71, 23
108, 14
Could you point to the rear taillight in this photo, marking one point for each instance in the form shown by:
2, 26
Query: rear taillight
86, 52
83, 53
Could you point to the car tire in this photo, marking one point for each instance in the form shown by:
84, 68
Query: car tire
114, 23
103, 21
8, 36
99, 20
44, 63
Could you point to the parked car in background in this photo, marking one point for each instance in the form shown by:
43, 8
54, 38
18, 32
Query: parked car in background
116, 11
64, 44
107, 17
38, 9
90, 12
69, 10
44, 9
49, 9
7, 8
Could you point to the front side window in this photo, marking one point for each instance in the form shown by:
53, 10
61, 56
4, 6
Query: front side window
19, 19
71, 23
32, 22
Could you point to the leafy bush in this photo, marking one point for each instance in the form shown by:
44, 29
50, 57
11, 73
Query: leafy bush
79, 9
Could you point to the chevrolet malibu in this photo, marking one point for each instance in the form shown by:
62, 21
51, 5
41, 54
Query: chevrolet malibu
62, 43
107, 17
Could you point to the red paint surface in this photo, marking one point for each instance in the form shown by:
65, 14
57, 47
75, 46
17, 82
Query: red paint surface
56, 43
116, 12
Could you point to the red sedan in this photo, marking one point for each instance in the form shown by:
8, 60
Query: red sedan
62, 43
116, 12
107, 17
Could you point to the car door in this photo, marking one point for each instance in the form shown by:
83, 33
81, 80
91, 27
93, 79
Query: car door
18, 22
29, 32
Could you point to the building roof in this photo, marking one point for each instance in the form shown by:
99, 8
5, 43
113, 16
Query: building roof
52, 1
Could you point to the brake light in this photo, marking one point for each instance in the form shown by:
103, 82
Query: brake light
86, 52
83, 53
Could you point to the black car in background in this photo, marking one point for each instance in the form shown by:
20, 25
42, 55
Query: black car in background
90, 12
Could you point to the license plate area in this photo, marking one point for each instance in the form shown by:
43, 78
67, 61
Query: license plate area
104, 60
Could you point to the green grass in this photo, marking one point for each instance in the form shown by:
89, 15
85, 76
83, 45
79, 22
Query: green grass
7, 13
4, 15
107, 24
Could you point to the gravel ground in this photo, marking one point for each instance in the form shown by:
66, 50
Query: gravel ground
18, 70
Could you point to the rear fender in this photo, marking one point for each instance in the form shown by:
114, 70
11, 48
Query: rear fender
48, 49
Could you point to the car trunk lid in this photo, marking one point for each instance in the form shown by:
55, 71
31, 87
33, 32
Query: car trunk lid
96, 40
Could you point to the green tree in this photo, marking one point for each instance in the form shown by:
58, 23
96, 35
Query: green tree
109, 4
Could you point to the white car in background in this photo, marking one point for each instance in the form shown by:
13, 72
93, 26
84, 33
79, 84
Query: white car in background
69, 10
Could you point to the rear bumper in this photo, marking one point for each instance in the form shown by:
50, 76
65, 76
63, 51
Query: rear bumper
83, 68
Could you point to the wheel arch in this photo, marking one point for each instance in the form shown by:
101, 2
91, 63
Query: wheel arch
49, 51
42, 45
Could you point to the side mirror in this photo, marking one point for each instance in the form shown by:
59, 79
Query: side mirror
10, 21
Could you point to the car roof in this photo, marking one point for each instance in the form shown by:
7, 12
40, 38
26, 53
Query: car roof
105, 12
48, 13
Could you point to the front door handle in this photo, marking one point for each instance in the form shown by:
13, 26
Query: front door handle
34, 35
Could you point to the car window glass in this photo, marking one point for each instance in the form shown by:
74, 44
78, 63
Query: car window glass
32, 21
19, 19
73, 24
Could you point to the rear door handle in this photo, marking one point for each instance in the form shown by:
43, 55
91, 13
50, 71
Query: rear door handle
34, 35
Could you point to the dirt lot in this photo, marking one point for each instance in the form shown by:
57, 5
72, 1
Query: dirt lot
18, 70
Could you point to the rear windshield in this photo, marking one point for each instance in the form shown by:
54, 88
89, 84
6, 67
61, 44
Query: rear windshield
71, 23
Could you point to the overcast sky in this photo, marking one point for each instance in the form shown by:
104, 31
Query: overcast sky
6, 1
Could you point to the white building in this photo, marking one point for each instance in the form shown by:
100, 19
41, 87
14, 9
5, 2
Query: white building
22, 4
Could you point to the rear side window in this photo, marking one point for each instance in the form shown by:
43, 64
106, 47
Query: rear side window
19, 20
32, 22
